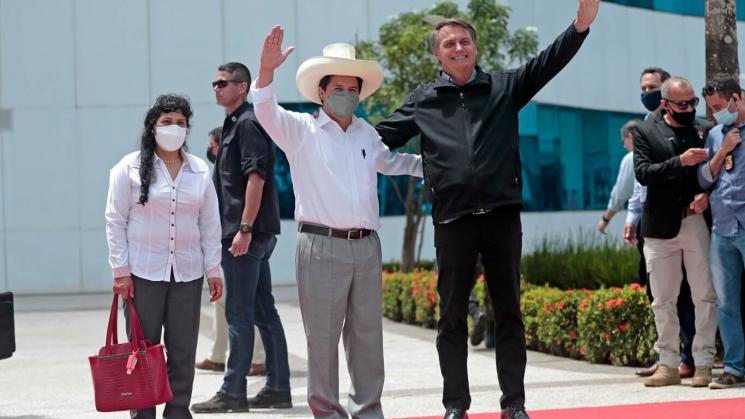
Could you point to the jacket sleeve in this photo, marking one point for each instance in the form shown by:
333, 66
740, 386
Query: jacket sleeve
649, 172
539, 70
399, 128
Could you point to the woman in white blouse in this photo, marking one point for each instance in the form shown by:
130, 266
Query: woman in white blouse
163, 231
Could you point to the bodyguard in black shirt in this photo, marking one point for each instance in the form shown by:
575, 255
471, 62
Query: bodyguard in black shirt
667, 151
249, 212
468, 123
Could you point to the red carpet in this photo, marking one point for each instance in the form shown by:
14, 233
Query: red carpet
699, 409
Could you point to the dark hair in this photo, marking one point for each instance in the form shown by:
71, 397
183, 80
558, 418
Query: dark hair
239, 71
327, 79
434, 35
216, 132
664, 75
722, 83
163, 104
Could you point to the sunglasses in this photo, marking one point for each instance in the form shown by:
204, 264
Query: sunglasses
223, 83
684, 104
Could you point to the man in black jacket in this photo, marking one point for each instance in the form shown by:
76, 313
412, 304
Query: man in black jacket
468, 123
667, 152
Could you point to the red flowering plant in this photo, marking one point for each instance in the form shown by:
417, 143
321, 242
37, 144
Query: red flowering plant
424, 292
617, 326
557, 322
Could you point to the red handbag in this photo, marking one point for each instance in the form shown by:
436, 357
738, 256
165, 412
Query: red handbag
129, 376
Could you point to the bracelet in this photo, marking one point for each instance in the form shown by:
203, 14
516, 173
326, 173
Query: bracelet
607, 220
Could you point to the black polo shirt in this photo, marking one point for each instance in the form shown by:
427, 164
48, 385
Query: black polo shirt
245, 148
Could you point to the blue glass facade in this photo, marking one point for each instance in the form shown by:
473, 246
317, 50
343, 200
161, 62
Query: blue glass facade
570, 160
683, 7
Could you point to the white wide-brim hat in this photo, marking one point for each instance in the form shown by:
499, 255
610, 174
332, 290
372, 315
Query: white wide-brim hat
337, 60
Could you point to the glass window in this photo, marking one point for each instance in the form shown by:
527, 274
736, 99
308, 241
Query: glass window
683, 7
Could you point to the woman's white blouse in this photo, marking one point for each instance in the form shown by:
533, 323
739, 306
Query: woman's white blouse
178, 228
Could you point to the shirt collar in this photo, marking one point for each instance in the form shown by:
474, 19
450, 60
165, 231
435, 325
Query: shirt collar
448, 78
238, 112
187, 161
324, 118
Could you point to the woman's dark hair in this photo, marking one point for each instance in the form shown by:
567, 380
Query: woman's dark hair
163, 104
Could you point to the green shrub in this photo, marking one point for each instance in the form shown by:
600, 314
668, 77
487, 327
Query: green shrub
586, 261
392, 295
422, 265
531, 303
613, 325
616, 325
557, 322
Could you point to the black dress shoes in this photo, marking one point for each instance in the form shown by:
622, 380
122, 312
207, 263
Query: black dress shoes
515, 411
455, 413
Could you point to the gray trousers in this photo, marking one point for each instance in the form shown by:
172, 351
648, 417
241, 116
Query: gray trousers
170, 308
339, 284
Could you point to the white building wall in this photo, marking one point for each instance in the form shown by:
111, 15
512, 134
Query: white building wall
76, 77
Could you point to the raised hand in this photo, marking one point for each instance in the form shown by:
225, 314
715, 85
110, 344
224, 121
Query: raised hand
272, 55
586, 14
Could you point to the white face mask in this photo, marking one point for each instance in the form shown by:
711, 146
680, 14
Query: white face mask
171, 137
725, 116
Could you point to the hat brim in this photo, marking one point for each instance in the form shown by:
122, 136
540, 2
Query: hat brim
312, 70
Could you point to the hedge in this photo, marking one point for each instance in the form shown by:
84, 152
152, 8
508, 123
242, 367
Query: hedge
609, 325
582, 261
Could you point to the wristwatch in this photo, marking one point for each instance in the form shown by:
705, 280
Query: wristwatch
246, 228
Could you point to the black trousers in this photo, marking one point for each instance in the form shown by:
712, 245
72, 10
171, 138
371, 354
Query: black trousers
497, 236
170, 309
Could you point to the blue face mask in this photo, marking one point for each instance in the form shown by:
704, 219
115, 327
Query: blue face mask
651, 99
725, 116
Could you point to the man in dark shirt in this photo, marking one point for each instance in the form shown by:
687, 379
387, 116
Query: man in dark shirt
666, 153
468, 123
247, 193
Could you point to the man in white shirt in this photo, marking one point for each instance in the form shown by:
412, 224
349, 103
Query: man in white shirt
334, 161
624, 186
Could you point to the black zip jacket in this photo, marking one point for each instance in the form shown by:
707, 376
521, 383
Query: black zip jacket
469, 134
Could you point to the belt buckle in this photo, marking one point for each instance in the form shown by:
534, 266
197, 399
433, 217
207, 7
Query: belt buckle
351, 232
479, 211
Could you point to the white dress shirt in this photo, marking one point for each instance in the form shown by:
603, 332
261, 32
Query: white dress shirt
334, 173
624, 186
178, 228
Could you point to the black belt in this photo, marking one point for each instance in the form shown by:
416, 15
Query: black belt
353, 234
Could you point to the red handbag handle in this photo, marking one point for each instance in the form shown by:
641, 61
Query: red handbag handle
135, 328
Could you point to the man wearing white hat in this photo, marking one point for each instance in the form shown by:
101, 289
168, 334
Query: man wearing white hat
334, 161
